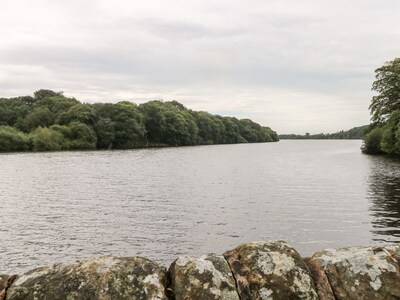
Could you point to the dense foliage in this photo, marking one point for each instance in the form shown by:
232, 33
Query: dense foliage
355, 133
383, 134
49, 121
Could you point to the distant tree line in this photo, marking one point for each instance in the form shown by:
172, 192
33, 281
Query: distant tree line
49, 121
383, 134
355, 133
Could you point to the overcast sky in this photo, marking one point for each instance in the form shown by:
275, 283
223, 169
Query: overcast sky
296, 66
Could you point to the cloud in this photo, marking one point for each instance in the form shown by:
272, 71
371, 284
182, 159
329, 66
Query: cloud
292, 65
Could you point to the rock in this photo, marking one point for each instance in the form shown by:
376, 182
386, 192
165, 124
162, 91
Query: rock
321, 281
394, 251
270, 270
5, 283
103, 278
361, 272
204, 277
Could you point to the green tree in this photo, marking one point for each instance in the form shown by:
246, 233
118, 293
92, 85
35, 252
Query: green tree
387, 84
12, 139
372, 142
40, 116
81, 136
56, 122
83, 113
232, 134
154, 120
249, 130
46, 139
391, 134
169, 123
104, 129
128, 125
42, 94
13, 111
207, 128
176, 131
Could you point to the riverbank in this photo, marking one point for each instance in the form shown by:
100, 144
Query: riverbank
257, 270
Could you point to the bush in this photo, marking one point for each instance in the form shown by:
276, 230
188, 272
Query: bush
46, 139
12, 139
391, 134
82, 137
372, 141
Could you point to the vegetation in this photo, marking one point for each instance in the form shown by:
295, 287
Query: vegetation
49, 121
383, 134
355, 133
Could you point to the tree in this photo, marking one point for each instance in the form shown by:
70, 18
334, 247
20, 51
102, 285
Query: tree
176, 131
82, 137
391, 134
128, 125
249, 130
13, 111
206, 127
46, 139
41, 94
55, 122
372, 142
83, 113
387, 84
12, 139
40, 116
104, 129
231, 130
154, 120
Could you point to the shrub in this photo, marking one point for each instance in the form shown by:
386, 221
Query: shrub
372, 141
46, 139
11, 139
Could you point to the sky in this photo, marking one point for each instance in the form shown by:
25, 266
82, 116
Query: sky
296, 66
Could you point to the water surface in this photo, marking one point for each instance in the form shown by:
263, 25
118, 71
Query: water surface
161, 203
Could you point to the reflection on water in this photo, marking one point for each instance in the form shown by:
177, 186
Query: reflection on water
384, 194
160, 203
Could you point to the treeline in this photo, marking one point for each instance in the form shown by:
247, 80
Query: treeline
355, 133
49, 121
383, 134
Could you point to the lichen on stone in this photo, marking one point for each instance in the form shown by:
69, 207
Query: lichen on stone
270, 270
204, 277
356, 272
103, 278
265, 294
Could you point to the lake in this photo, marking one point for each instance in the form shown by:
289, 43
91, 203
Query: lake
161, 203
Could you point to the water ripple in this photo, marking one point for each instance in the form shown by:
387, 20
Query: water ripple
162, 203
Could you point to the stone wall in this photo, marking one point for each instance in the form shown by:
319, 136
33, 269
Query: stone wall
259, 270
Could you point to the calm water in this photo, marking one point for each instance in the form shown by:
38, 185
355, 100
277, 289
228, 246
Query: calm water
165, 202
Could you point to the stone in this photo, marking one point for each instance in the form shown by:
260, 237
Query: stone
394, 251
204, 277
5, 283
361, 272
321, 281
102, 278
270, 270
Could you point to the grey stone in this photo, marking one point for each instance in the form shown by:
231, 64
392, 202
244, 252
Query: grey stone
270, 270
361, 272
204, 277
102, 278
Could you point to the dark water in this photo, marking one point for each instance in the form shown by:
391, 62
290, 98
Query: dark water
58, 207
